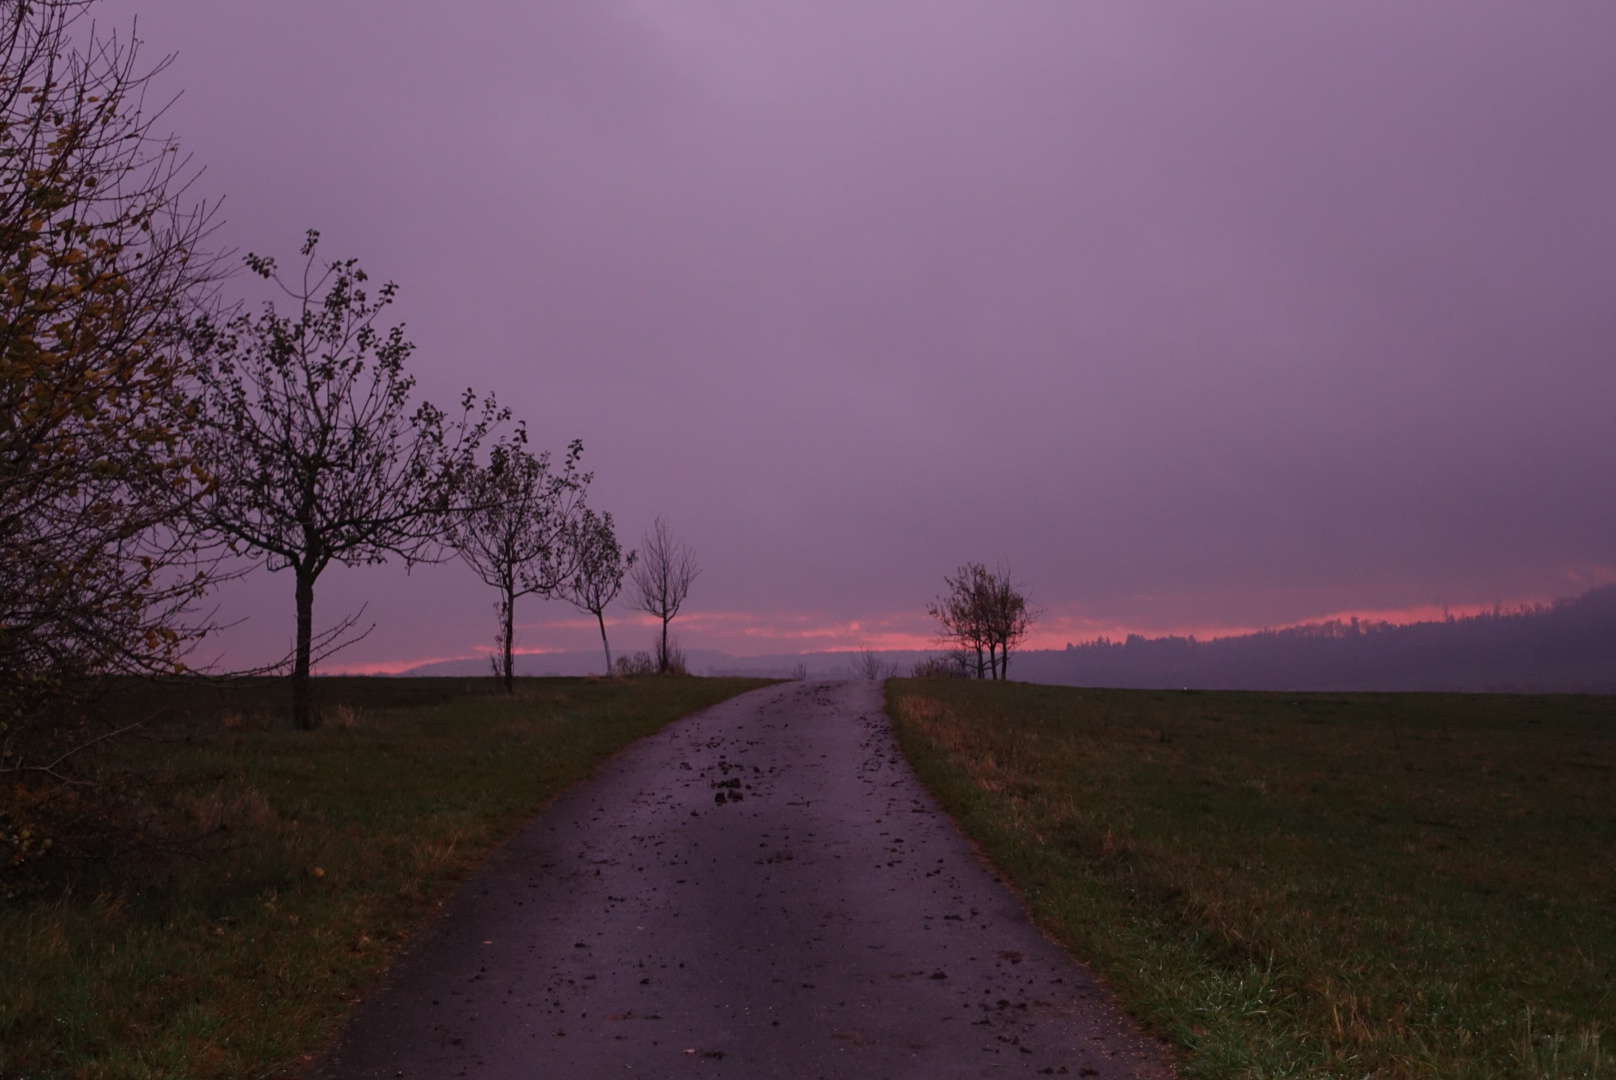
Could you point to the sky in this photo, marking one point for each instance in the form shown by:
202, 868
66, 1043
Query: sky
1197, 317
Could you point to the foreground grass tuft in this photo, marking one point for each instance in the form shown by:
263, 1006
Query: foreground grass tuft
327, 850
1307, 885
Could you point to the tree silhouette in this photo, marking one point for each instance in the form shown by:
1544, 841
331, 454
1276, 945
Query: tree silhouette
985, 615
1008, 616
315, 451
599, 566
962, 612
517, 529
662, 580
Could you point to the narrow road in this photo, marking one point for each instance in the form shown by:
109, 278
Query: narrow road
761, 890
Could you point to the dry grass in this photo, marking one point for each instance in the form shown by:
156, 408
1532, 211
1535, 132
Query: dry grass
1307, 885
326, 851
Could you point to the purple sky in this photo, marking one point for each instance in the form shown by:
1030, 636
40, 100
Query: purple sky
1199, 316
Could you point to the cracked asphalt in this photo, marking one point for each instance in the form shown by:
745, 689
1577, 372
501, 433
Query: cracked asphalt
762, 889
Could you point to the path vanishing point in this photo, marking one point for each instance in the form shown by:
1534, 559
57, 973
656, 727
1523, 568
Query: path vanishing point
763, 889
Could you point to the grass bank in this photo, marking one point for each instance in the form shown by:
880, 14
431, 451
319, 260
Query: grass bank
1307, 885
326, 851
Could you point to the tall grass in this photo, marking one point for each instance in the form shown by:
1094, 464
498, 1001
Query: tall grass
1307, 885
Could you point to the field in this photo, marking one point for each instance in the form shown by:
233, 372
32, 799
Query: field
325, 850
1307, 885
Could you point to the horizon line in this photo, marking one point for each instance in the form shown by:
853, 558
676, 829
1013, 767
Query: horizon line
1049, 639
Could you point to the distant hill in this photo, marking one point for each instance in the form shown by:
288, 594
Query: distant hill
1567, 647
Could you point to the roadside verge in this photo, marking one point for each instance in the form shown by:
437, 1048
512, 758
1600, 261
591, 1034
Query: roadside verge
1304, 884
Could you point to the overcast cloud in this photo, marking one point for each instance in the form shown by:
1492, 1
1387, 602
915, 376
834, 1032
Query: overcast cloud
1196, 315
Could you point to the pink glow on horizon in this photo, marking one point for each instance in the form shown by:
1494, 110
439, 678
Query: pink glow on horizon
1057, 633
749, 634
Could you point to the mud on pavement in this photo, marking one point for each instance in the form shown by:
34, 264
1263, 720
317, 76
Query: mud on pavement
761, 890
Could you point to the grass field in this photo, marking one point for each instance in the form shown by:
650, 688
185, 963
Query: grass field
329, 848
1307, 885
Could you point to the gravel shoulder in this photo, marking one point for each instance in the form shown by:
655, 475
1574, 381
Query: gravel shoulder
762, 889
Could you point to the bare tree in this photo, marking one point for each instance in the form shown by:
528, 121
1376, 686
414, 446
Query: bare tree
985, 615
315, 452
867, 664
103, 263
599, 565
662, 580
1008, 616
515, 529
963, 614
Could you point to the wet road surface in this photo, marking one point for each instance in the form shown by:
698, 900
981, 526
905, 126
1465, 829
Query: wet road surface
761, 890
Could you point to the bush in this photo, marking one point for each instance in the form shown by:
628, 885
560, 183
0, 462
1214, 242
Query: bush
640, 663
643, 663
952, 665
676, 660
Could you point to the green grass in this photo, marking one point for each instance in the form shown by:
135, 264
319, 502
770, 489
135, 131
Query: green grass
1307, 885
328, 850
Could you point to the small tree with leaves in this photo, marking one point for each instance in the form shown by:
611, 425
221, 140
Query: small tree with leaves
316, 452
598, 568
516, 529
662, 581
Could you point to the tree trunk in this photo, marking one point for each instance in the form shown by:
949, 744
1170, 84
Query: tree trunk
662, 653
993, 660
508, 604
302, 704
600, 616
980, 669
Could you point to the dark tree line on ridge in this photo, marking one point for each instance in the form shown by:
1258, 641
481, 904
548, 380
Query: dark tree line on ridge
1568, 647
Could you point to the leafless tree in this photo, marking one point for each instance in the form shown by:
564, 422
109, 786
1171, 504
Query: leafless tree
315, 451
962, 612
662, 580
515, 528
984, 614
599, 565
867, 664
1008, 616
103, 262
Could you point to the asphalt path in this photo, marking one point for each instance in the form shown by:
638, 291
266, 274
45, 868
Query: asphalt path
761, 890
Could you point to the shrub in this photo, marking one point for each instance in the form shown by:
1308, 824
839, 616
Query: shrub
954, 665
641, 663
